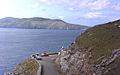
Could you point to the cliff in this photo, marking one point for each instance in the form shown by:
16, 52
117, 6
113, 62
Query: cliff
38, 23
95, 52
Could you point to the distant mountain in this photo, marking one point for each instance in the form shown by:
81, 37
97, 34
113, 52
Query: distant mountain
37, 23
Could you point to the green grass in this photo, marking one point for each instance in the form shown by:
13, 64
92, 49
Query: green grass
29, 66
103, 39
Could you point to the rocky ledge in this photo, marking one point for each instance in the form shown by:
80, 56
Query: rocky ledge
78, 62
95, 52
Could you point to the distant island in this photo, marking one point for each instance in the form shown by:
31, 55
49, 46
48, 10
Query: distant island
38, 23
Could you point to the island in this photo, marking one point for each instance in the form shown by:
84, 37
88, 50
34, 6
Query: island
38, 23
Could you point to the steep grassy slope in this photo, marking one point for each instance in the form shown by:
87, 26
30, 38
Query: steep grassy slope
38, 23
103, 39
96, 51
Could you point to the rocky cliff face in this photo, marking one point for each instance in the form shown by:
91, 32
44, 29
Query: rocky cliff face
95, 52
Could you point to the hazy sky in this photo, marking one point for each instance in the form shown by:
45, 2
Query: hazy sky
85, 12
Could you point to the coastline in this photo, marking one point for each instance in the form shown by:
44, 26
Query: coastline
37, 67
24, 68
23, 47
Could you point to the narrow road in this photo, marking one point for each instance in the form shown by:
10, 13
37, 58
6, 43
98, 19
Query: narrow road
48, 66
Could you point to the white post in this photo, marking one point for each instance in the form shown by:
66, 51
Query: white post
62, 49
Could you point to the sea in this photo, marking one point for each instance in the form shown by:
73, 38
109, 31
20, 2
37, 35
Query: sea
16, 45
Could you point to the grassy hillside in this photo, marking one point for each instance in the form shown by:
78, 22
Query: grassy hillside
28, 67
37, 23
95, 52
102, 39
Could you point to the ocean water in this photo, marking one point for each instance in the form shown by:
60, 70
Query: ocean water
16, 45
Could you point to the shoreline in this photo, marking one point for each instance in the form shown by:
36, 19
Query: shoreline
15, 71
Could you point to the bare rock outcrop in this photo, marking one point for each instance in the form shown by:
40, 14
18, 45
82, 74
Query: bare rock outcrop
77, 62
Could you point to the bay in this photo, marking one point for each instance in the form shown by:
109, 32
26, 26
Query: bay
16, 45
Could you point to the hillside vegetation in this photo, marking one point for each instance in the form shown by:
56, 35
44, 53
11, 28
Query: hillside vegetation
103, 39
37, 23
96, 51
27, 67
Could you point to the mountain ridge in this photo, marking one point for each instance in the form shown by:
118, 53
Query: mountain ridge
38, 23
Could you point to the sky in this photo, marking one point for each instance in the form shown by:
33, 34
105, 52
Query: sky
83, 12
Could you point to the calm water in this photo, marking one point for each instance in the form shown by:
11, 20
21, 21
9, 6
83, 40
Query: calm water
16, 45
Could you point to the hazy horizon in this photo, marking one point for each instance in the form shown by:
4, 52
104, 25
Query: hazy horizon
83, 12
